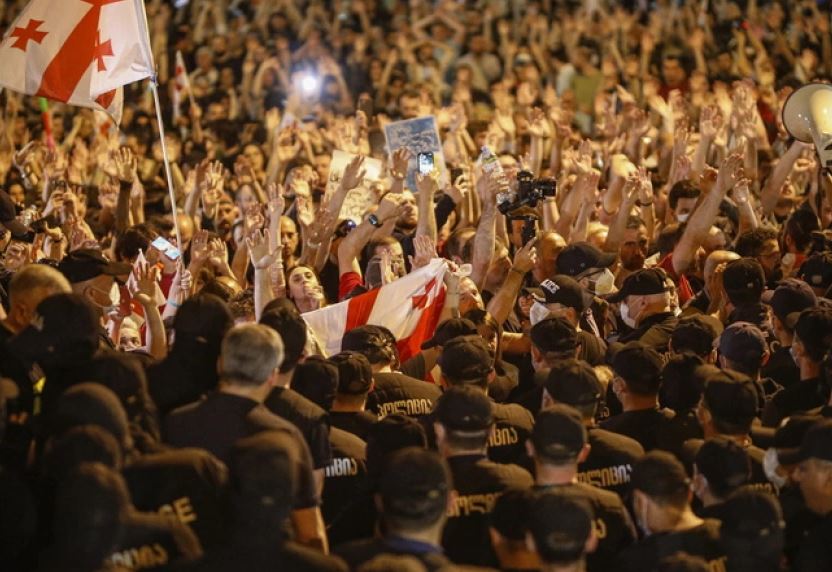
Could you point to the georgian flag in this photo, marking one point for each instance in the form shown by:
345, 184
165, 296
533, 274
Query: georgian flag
79, 52
181, 85
409, 307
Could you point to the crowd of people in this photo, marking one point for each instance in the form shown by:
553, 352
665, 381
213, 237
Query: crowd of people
631, 369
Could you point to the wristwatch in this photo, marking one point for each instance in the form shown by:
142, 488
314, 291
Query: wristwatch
373, 220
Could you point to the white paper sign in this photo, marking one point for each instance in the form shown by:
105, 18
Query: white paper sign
360, 199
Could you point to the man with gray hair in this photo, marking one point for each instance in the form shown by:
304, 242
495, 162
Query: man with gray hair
249, 360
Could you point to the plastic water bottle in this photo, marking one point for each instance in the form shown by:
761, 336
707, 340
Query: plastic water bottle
491, 164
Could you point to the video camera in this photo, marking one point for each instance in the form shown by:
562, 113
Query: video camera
529, 192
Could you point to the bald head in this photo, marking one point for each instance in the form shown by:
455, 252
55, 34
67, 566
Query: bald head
716, 258
28, 288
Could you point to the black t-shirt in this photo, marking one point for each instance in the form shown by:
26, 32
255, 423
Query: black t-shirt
358, 423
218, 421
18, 521
702, 541
396, 393
682, 427
609, 465
187, 484
329, 277
593, 349
654, 331
815, 554
611, 521
805, 395
513, 426
757, 481
357, 553
781, 367
798, 518
311, 419
347, 503
266, 553
647, 426
478, 482
155, 542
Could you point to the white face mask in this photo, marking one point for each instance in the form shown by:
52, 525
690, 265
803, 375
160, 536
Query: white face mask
624, 311
642, 522
770, 464
538, 312
603, 283
682, 217
113, 297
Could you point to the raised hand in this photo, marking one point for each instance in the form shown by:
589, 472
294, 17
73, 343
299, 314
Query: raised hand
730, 171
143, 287
710, 122
199, 247
525, 258
354, 174
425, 251
427, 183
399, 161
253, 218
277, 201
539, 125
126, 164
262, 256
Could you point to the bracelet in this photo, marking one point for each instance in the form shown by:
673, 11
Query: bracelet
173, 304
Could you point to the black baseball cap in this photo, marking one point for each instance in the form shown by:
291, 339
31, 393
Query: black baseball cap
731, 397
696, 333
554, 335
92, 404
204, 318
791, 297
561, 524
789, 436
644, 282
316, 378
751, 514
355, 376
449, 329
510, 516
577, 258
574, 383
744, 343
743, 275
466, 358
817, 443
415, 483
263, 473
638, 364
724, 463
564, 290
465, 408
817, 270
63, 325
559, 433
87, 263
363, 339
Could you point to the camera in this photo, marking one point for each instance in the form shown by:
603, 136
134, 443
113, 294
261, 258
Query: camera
529, 192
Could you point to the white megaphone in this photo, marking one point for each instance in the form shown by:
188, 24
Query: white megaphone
807, 116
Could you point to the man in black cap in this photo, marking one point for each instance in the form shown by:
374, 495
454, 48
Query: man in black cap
742, 348
661, 504
249, 361
727, 409
638, 370
611, 455
420, 365
287, 403
463, 421
466, 360
552, 340
589, 266
561, 530
563, 297
263, 482
814, 475
721, 467
393, 392
791, 297
812, 340
695, 334
816, 271
752, 531
414, 498
743, 282
645, 308
94, 277
355, 382
508, 525
558, 444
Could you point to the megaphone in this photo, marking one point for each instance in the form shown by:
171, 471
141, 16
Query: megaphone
807, 116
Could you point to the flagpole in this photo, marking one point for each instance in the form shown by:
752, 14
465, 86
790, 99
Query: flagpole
154, 87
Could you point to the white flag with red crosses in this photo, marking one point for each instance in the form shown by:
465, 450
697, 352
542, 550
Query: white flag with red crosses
77, 51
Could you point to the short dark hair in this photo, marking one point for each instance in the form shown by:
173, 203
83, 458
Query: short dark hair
662, 477
292, 330
682, 190
800, 226
814, 329
131, 241
750, 243
682, 382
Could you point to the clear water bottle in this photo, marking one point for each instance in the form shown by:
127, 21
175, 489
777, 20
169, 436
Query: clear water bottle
491, 164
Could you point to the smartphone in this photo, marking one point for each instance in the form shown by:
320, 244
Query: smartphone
166, 248
425, 163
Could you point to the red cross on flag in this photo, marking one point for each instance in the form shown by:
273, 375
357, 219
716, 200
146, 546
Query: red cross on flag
77, 51
409, 307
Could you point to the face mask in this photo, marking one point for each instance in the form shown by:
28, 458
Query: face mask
604, 283
537, 313
624, 310
683, 217
641, 520
113, 299
770, 464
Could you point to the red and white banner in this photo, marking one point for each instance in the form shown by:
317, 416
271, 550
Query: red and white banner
181, 85
409, 307
77, 51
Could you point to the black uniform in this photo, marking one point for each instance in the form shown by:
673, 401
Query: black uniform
610, 461
155, 542
311, 419
805, 395
654, 331
478, 482
396, 393
358, 423
758, 479
611, 522
347, 504
647, 426
815, 552
781, 367
357, 553
513, 426
702, 541
267, 553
